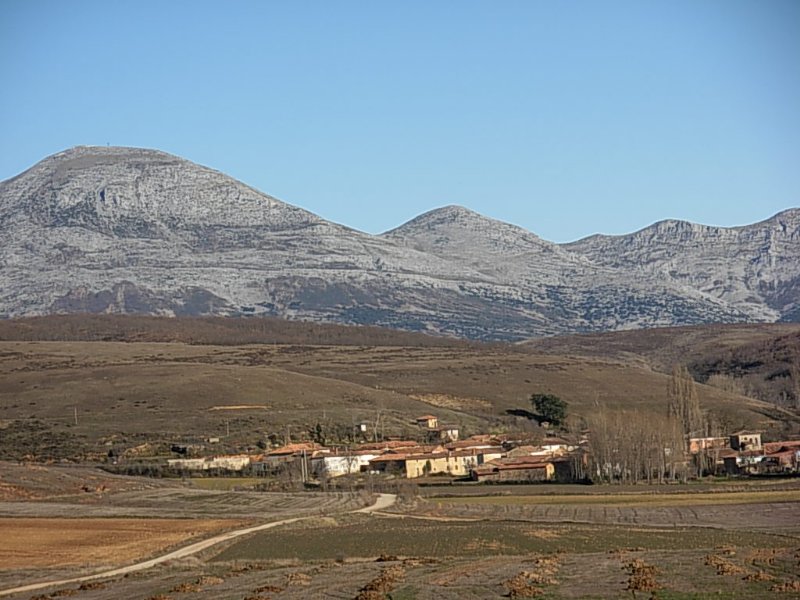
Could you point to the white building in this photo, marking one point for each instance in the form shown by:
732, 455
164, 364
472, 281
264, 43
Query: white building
335, 465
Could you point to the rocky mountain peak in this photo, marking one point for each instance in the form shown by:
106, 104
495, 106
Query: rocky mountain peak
453, 226
453, 218
134, 192
105, 229
755, 267
445, 216
786, 222
676, 231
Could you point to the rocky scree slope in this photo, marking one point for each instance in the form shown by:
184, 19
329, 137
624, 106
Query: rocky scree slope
124, 230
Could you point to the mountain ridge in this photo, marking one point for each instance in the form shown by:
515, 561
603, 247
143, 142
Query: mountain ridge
131, 230
757, 264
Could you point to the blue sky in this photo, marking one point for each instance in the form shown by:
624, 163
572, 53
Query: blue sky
567, 118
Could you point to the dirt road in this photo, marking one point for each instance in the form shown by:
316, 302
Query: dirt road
383, 501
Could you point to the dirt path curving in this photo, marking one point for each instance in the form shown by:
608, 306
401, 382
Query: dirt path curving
383, 501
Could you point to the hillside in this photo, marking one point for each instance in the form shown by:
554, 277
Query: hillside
81, 399
762, 361
222, 331
768, 369
136, 231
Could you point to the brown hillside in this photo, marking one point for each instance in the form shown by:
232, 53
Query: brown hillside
663, 347
768, 369
761, 360
219, 331
128, 394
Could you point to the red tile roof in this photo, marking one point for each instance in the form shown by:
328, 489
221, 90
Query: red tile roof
388, 445
294, 448
771, 447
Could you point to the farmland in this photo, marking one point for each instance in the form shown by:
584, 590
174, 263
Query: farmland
131, 395
703, 543
713, 540
94, 543
370, 538
73, 532
766, 511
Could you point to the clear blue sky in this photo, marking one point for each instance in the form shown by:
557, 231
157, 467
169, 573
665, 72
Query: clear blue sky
567, 118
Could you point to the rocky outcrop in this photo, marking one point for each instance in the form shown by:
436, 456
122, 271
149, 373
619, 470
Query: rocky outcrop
755, 268
126, 230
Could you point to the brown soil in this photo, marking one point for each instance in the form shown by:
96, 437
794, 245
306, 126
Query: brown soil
47, 542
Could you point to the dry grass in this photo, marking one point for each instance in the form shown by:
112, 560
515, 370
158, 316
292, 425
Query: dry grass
225, 483
522, 586
786, 586
666, 346
641, 576
453, 402
160, 392
39, 482
723, 565
382, 584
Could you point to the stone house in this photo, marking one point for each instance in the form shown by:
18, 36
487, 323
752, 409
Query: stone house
428, 421
746, 441
457, 463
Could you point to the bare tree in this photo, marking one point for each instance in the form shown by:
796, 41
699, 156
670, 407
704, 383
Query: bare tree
684, 404
630, 446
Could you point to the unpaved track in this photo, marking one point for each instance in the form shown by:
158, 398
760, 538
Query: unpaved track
383, 501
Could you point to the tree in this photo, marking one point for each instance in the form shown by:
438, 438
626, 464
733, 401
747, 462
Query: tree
550, 407
684, 407
684, 404
630, 446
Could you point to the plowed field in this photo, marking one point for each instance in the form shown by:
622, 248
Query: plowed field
94, 542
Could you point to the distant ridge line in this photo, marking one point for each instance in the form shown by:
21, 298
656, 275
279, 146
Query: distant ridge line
223, 331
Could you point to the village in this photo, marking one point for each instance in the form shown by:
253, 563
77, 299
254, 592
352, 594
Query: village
489, 458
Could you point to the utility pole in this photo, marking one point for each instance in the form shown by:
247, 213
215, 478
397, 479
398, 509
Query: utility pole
227, 428
75, 413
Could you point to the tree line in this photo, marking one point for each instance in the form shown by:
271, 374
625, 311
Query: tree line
629, 446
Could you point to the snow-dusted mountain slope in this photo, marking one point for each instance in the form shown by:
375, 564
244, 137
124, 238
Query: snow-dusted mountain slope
129, 230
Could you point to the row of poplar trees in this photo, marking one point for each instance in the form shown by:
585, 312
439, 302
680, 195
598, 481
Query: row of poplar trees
632, 446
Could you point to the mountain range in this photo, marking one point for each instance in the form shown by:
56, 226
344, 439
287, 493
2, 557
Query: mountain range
126, 230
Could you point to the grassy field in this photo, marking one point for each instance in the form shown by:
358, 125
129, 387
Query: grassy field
720, 540
731, 573
369, 538
477, 560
